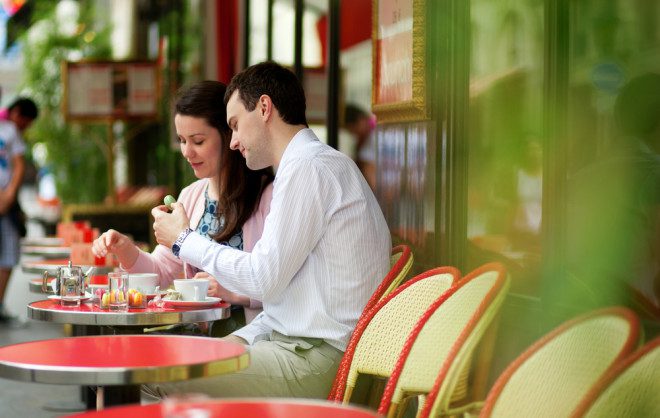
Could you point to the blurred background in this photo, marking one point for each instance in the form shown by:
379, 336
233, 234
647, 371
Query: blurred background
488, 130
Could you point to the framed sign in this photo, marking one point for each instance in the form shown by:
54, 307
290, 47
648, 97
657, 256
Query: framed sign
102, 90
399, 74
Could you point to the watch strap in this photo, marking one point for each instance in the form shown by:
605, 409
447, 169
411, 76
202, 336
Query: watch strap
176, 247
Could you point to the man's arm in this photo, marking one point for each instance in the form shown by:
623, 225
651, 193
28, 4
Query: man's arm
298, 219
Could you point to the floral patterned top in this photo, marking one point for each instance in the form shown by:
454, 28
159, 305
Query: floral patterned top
210, 224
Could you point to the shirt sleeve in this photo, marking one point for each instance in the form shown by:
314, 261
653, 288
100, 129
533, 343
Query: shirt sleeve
302, 198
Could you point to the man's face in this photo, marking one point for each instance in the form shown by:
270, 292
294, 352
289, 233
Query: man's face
249, 135
21, 122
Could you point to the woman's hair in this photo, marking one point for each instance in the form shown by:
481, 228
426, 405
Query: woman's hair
239, 188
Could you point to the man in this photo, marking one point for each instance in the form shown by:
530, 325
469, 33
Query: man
20, 116
360, 124
324, 249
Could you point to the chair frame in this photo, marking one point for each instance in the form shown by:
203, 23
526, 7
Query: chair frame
339, 385
459, 354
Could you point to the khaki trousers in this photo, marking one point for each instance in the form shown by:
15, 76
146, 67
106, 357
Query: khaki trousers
280, 366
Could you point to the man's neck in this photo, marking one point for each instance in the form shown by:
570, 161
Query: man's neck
283, 136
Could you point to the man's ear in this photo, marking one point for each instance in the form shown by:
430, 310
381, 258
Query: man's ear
265, 106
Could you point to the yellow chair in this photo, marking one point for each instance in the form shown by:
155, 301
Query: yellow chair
551, 377
382, 332
439, 348
632, 389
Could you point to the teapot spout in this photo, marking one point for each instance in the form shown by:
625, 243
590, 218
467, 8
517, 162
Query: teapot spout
88, 272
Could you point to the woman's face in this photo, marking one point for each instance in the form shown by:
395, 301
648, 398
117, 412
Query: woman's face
200, 145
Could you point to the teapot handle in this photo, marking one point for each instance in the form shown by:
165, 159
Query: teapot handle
45, 285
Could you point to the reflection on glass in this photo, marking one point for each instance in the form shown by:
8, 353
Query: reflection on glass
405, 186
613, 216
505, 152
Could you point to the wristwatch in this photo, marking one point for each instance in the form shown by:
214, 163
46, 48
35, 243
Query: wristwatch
176, 247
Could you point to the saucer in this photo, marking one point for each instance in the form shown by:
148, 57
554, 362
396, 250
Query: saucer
210, 301
58, 297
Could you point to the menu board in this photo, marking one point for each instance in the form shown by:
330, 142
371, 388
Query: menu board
110, 90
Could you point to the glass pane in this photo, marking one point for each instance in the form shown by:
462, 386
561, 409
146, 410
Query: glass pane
613, 228
504, 134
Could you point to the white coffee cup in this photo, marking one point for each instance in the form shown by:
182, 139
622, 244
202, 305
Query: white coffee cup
144, 282
192, 289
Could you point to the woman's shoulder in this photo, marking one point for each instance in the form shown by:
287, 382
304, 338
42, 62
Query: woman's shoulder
194, 188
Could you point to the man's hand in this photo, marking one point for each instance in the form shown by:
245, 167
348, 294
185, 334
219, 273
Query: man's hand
168, 226
217, 291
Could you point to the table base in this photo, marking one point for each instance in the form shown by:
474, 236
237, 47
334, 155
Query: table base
63, 406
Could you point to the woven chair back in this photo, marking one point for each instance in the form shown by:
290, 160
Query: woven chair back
551, 377
632, 389
381, 334
443, 340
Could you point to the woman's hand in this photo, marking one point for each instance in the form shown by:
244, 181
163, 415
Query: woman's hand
116, 243
217, 291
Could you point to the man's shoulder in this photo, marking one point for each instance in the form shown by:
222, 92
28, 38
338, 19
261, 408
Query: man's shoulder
8, 129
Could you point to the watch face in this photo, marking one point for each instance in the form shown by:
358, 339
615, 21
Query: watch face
175, 249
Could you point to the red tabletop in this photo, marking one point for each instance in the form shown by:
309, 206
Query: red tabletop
88, 314
120, 359
265, 408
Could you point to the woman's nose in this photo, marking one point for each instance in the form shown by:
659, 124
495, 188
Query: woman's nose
186, 151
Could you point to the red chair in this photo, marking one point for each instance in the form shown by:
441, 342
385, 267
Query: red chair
630, 390
551, 377
382, 331
401, 262
438, 352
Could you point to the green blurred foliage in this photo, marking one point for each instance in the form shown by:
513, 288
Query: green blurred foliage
75, 152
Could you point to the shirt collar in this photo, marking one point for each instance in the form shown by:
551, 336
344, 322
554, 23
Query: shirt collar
297, 143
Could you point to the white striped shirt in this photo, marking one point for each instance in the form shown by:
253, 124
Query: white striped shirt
324, 249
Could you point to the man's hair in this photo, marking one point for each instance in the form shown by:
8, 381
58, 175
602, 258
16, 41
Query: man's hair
275, 81
26, 107
239, 188
637, 108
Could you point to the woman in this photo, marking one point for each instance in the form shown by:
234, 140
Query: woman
228, 204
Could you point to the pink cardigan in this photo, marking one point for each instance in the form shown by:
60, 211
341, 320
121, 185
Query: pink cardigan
169, 267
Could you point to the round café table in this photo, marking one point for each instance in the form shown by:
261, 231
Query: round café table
239, 408
42, 242
51, 265
87, 314
35, 286
89, 319
46, 251
106, 360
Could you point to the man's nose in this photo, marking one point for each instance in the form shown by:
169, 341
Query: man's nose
233, 144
